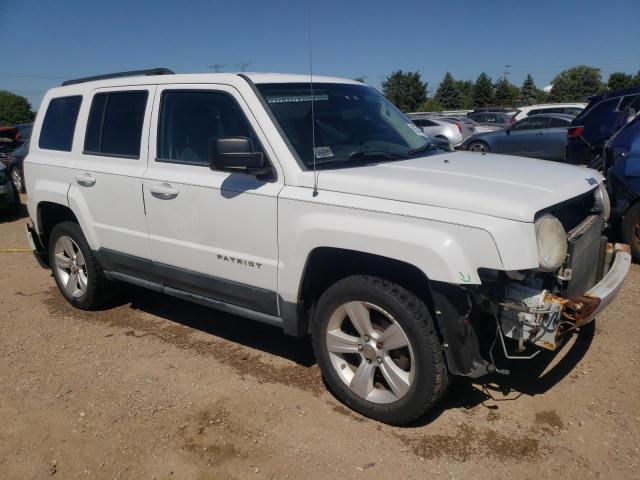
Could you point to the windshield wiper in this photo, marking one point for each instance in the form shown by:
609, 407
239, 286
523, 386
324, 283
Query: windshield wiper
366, 155
424, 148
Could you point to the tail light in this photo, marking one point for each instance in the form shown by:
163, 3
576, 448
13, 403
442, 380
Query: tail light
459, 127
574, 132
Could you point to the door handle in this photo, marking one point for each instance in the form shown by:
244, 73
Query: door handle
85, 180
164, 191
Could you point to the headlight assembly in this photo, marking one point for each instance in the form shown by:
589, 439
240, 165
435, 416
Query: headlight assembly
551, 240
602, 201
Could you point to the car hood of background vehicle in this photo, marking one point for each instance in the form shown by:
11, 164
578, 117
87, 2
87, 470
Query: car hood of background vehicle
502, 186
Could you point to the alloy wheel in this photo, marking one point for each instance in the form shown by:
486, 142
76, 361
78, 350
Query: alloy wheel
370, 352
70, 266
478, 147
16, 179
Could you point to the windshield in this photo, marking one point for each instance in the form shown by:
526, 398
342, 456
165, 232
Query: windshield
351, 122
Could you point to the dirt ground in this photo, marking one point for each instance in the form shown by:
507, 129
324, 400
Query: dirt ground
153, 387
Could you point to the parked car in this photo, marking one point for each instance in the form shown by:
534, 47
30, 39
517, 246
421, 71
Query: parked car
593, 127
9, 199
438, 128
467, 125
16, 166
623, 178
572, 109
492, 120
8, 143
24, 131
400, 259
493, 109
538, 136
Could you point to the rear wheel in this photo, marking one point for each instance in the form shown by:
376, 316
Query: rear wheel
75, 269
478, 147
631, 230
377, 348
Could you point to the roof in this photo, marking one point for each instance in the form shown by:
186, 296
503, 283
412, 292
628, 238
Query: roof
224, 78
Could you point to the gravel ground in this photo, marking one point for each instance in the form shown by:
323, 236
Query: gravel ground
153, 387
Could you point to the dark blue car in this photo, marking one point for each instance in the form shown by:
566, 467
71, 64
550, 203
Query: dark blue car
623, 178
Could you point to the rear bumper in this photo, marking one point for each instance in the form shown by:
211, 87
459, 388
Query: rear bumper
41, 254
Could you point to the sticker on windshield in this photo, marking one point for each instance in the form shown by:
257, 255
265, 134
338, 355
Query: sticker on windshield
323, 152
416, 130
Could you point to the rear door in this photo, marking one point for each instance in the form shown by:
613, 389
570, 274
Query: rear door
555, 139
106, 178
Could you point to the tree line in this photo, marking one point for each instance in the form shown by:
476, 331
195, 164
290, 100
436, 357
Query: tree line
409, 93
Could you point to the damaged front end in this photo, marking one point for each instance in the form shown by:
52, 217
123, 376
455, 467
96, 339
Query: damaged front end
529, 315
527, 312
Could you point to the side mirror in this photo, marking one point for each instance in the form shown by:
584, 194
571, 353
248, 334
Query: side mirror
235, 154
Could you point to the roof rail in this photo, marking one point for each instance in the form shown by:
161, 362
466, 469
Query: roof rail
132, 73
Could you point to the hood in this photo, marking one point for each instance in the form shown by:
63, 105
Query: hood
504, 186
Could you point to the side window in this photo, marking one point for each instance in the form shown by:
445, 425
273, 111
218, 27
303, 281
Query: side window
115, 124
189, 120
60, 123
575, 111
479, 117
559, 123
494, 119
532, 123
417, 123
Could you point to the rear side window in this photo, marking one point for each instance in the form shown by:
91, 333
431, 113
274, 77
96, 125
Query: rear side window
115, 124
190, 120
559, 122
60, 123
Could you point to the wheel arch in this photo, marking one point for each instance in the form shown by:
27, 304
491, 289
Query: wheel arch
49, 214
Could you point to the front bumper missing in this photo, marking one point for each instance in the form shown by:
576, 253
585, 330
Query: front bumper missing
578, 311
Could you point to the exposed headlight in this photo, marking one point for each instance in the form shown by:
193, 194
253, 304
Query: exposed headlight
602, 201
552, 242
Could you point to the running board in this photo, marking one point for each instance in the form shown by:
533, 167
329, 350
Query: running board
195, 298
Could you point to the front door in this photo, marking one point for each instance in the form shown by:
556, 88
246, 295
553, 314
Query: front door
211, 233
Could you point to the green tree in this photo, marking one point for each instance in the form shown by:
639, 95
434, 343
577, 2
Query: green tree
636, 79
529, 93
448, 94
405, 90
506, 93
619, 80
465, 87
430, 105
483, 91
576, 84
14, 109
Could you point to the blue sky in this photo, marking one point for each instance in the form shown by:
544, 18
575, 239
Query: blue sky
44, 42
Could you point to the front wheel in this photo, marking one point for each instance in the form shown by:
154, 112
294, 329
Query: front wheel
631, 230
478, 147
17, 179
377, 348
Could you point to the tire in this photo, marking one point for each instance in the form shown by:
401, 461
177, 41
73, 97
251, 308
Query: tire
478, 146
69, 252
402, 382
631, 231
18, 179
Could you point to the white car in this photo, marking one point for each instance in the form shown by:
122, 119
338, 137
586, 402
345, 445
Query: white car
321, 211
572, 109
439, 128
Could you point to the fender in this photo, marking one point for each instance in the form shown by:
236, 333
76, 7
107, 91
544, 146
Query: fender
444, 252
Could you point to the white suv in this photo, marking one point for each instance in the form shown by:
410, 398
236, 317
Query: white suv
323, 210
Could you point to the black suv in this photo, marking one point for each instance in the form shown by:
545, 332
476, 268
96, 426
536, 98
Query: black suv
593, 127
